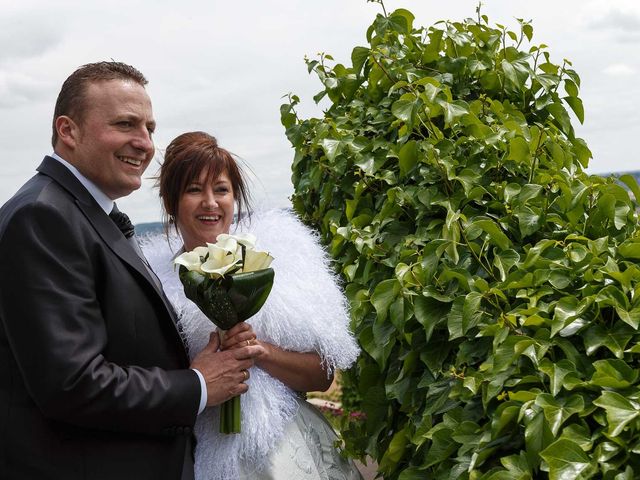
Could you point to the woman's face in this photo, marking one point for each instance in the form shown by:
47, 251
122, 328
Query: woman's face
205, 210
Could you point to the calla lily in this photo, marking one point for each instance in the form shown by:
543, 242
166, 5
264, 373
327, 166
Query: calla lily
255, 260
220, 260
226, 243
192, 261
222, 255
246, 239
216, 272
202, 251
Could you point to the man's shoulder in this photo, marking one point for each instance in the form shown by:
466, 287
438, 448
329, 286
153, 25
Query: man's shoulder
38, 193
38, 189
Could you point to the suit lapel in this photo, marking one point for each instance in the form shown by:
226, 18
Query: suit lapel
103, 225
96, 216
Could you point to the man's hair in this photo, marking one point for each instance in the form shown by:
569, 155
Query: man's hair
71, 99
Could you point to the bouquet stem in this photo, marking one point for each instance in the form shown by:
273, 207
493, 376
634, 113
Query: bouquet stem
230, 416
229, 410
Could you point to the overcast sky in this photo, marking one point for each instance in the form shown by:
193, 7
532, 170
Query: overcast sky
224, 66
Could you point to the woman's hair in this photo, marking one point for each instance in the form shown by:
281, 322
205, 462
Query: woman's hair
186, 157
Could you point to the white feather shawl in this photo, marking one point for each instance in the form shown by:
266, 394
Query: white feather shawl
306, 311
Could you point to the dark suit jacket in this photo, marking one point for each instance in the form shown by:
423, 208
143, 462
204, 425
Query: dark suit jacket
94, 379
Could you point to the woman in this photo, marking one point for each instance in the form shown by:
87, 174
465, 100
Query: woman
303, 326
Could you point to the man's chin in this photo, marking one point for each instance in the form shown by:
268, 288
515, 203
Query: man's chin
124, 192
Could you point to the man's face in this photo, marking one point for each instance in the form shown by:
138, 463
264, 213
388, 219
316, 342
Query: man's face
113, 144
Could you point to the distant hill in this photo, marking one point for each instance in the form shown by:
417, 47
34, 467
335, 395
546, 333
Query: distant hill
635, 174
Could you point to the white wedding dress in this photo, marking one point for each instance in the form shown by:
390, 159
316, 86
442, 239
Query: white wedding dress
283, 437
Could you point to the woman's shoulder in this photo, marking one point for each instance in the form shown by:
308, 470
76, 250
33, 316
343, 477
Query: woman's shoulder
279, 228
265, 219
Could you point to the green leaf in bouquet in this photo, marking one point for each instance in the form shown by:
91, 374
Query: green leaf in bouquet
228, 300
210, 296
192, 281
217, 305
248, 291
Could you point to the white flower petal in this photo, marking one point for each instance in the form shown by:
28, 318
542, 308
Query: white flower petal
218, 254
215, 270
219, 257
255, 260
190, 260
202, 251
226, 242
246, 239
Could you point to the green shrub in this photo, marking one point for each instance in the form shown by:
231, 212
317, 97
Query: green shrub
493, 283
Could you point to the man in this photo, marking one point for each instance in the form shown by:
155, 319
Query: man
94, 378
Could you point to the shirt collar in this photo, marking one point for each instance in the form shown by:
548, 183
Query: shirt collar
99, 196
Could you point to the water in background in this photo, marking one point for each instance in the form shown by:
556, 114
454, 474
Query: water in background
153, 228
149, 228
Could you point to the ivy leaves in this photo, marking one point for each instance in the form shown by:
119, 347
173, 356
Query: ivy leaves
494, 284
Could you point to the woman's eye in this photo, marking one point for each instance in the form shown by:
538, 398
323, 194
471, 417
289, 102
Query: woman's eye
193, 189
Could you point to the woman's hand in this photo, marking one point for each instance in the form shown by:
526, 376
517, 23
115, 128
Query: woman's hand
239, 336
301, 371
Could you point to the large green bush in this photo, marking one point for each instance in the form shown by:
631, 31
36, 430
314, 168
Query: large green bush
494, 284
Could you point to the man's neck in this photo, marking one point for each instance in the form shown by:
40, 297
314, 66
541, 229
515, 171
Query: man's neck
99, 196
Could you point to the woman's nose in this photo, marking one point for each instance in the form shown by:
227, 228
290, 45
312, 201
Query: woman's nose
209, 200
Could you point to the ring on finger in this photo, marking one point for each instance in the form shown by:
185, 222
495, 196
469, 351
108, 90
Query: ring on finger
245, 374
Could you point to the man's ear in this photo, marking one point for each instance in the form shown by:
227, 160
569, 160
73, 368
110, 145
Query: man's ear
68, 131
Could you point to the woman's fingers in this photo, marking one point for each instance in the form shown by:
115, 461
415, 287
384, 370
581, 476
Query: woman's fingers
244, 337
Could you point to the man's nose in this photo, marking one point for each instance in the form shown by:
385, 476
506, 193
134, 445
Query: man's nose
143, 141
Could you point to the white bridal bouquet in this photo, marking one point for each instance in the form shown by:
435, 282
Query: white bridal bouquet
229, 281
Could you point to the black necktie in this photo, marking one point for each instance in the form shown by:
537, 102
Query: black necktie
122, 221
